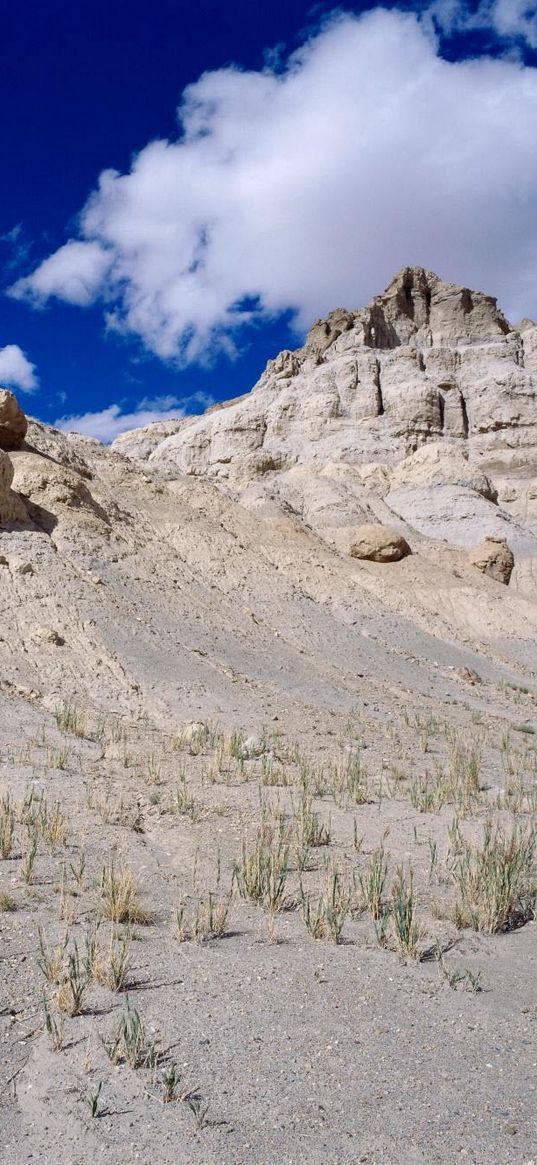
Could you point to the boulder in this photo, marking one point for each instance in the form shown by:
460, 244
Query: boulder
493, 557
378, 543
13, 423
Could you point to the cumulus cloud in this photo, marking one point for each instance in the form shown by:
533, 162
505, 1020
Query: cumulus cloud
508, 19
74, 273
16, 371
307, 185
109, 423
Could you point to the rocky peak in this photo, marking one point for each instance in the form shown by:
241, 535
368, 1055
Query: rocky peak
417, 309
330, 431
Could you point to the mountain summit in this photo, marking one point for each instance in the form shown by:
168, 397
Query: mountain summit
419, 407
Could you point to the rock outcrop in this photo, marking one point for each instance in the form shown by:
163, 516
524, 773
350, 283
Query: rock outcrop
419, 408
13, 423
12, 508
493, 557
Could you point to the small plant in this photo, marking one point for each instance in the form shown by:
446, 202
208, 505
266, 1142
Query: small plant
130, 1044
109, 967
373, 883
58, 758
50, 962
54, 1027
199, 1109
54, 827
7, 903
327, 918
210, 920
92, 1100
382, 925
407, 931
7, 826
433, 858
424, 795
170, 1083
77, 867
308, 827
71, 993
496, 883
183, 801
29, 856
154, 769
119, 896
261, 874
70, 718
455, 976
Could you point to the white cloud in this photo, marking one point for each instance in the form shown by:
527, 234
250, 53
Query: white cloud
16, 371
508, 19
75, 273
308, 187
108, 423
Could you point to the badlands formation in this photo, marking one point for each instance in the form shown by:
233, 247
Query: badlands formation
268, 766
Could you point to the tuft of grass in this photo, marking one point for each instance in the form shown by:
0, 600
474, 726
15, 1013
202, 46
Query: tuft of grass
54, 1026
456, 976
130, 1043
71, 718
183, 801
109, 965
58, 758
325, 919
7, 826
199, 1109
92, 1101
7, 903
373, 883
261, 873
71, 992
403, 912
207, 920
496, 882
119, 896
50, 962
29, 854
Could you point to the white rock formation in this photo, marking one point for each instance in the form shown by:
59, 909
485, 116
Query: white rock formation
419, 410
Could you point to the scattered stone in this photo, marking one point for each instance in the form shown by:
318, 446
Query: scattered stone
47, 635
22, 568
467, 675
378, 543
252, 747
494, 558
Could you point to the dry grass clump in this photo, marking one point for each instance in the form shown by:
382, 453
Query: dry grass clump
373, 883
7, 826
183, 801
407, 931
72, 990
46, 821
130, 1044
325, 917
261, 874
119, 896
108, 964
496, 882
71, 718
207, 919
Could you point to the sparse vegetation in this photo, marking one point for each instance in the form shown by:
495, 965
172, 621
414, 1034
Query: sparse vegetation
496, 881
119, 896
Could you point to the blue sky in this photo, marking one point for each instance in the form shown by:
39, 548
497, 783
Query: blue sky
315, 153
